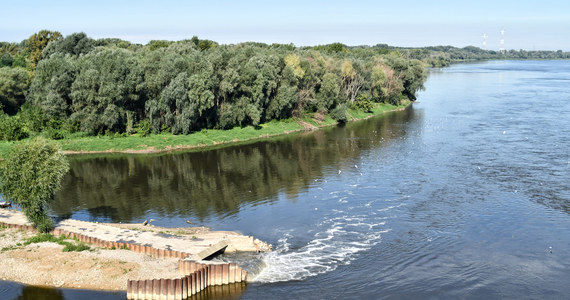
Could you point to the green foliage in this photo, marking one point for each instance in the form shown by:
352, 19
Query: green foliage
156, 44
51, 87
78, 247
105, 89
109, 86
340, 113
37, 42
11, 128
13, 86
33, 119
6, 60
30, 176
332, 48
74, 44
144, 128
75, 246
203, 45
362, 103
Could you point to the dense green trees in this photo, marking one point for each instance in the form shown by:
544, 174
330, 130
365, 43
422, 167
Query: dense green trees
13, 85
112, 86
30, 176
37, 42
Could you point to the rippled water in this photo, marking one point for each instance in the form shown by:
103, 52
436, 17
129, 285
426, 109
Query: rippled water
465, 194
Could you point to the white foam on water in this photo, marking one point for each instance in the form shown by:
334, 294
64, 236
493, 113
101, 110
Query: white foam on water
338, 240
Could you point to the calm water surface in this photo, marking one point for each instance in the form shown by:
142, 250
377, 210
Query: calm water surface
465, 194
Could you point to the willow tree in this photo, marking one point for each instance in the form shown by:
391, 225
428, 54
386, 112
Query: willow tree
13, 86
30, 176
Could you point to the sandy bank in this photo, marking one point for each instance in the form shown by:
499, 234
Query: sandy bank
98, 268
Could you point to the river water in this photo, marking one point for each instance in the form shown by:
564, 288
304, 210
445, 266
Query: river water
465, 194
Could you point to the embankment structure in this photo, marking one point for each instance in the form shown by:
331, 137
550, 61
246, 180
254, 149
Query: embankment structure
196, 274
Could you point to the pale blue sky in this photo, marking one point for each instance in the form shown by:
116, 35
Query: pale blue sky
528, 24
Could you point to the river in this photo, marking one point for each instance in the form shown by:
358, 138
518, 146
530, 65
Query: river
465, 194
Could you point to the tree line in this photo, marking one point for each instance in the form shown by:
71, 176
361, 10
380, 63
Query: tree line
442, 56
56, 86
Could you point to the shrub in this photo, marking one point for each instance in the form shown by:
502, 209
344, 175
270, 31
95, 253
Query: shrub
30, 176
340, 113
362, 103
11, 128
144, 128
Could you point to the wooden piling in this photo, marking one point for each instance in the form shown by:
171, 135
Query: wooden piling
192, 285
184, 287
130, 289
155, 289
225, 273
232, 275
163, 289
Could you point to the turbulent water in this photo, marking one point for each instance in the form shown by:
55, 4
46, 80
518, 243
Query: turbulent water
465, 194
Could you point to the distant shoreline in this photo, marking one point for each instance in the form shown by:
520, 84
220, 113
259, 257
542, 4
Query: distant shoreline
205, 139
304, 125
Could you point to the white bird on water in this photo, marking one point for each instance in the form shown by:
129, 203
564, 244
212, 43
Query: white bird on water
339, 171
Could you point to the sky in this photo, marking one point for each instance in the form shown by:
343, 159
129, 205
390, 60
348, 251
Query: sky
529, 25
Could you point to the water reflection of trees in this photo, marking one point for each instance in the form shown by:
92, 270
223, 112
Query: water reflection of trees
125, 187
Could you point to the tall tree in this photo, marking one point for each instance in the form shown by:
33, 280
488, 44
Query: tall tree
31, 175
13, 85
105, 93
51, 87
37, 42
74, 44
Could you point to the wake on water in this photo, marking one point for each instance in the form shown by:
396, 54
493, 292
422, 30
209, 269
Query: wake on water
345, 231
339, 239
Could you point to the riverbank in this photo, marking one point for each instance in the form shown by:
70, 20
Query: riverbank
44, 260
203, 139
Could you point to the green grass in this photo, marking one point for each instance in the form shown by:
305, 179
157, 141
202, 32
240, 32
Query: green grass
377, 110
75, 246
204, 138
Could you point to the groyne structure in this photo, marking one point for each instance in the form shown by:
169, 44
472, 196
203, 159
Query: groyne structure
195, 277
195, 273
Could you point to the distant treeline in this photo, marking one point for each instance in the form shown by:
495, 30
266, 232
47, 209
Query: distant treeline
441, 56
55, 86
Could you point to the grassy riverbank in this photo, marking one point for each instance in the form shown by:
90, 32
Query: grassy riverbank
204, 138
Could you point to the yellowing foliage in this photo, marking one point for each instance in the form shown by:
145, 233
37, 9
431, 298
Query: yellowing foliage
347, 69
293, 61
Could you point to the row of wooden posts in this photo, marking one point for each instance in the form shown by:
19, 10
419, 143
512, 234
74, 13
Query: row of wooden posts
159, 253
195, 278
